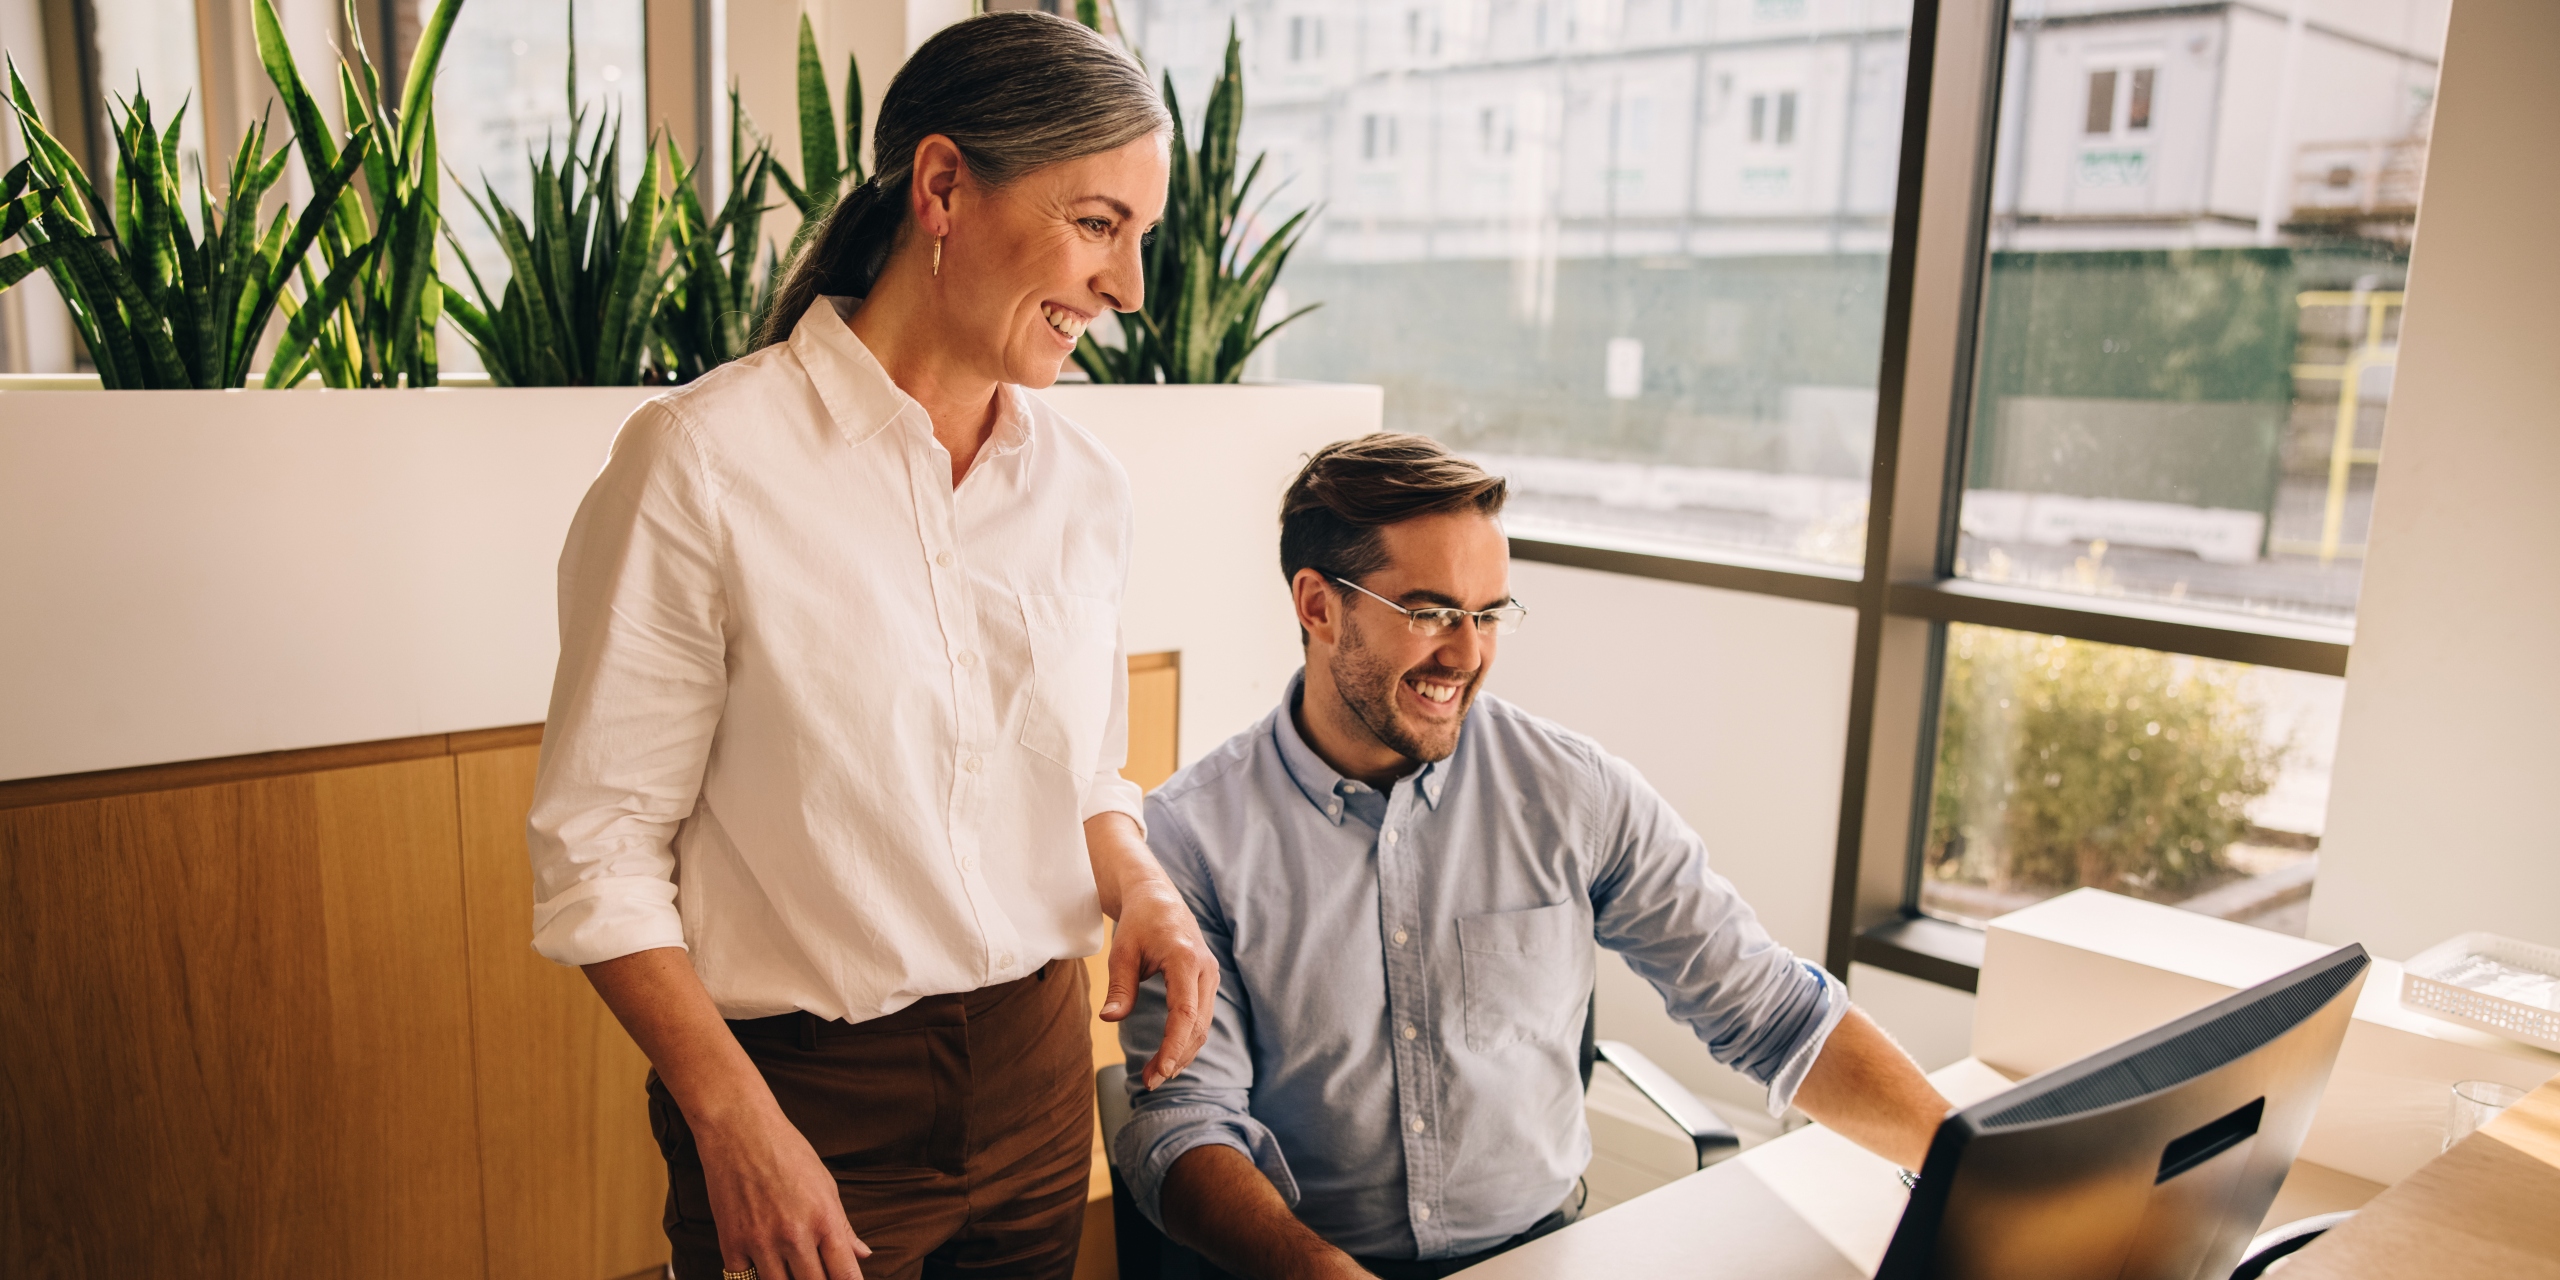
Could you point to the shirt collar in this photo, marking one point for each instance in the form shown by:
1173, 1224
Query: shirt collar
863, 399
1323, 785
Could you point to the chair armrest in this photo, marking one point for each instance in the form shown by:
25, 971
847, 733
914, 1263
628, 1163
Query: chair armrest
1707, 1131
1111, 1093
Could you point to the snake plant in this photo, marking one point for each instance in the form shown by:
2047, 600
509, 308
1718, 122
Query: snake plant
378, 251
587, 271
1203, 310
824, 171
724, 271
161, 303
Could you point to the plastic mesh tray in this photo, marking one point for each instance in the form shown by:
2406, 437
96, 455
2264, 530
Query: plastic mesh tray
2493, 983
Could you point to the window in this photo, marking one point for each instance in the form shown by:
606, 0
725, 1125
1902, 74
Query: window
1672, 205
1306, 39
1377, 137
2187, 330
2102, 104
2062, 763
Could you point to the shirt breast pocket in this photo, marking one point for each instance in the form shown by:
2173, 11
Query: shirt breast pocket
1527, 975
1072, 640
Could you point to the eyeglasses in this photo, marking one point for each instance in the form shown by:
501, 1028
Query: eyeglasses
1501, 620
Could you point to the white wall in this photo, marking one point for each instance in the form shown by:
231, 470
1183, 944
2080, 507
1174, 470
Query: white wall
1735, 707
2441, 817
199, 574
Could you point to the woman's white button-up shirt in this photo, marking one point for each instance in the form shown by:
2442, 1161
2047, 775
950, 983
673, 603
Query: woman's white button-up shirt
821, 717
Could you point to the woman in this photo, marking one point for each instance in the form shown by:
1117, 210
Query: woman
829, 796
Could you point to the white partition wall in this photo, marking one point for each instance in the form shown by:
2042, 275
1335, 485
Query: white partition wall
2442, 818
198, 574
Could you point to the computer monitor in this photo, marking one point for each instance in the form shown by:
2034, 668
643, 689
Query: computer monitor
2150, 1160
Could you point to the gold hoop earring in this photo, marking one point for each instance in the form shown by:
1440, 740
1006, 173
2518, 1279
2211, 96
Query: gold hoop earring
937, 255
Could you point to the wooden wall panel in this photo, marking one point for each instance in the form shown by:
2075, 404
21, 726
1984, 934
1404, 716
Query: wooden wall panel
1155, 711
155, 1120
406, 1128
237, 1042
574, 1183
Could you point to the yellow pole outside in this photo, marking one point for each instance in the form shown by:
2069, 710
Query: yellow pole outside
2367, 354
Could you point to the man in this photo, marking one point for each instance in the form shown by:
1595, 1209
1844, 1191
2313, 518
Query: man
1402, 879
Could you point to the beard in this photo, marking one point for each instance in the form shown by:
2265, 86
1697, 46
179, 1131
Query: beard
1367, 686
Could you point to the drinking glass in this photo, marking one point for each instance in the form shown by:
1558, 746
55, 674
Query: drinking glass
2476, 1103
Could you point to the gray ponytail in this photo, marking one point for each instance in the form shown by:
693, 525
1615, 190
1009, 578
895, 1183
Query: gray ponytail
1014, 90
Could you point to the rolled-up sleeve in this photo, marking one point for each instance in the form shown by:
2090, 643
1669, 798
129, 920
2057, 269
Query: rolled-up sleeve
636, 700
1757, 1007
1207, 1105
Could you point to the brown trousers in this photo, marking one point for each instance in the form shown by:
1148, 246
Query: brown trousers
960, 1129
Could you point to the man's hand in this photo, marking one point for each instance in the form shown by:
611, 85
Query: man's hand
1157, 935
775, 1204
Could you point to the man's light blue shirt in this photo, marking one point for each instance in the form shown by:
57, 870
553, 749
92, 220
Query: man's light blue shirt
1404, 975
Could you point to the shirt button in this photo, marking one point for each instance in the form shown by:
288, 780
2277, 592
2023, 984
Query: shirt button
1417, 1124
1391, 837
1004, 960
968, 659
1399, 937
968, 862
971, 764
1423, 1213
943, 559
1410, 1031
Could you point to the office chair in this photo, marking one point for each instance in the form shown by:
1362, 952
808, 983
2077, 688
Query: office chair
1145, 1253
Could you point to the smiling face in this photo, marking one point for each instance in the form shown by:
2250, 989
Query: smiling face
1027, 266
1381, 700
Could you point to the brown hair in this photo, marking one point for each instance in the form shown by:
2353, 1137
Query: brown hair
1014, 91
1330, 518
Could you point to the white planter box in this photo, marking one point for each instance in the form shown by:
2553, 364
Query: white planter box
194, 574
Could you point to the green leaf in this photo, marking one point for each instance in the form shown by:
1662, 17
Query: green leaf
818, 166
627, 307
18, 266
314, 313
417, 91
315, 214
853, 119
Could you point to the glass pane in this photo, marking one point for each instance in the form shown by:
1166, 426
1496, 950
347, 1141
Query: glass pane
2201, 228
2062, 763
500, 97
1632, 254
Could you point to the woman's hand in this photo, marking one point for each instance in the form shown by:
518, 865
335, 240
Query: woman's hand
774, 1203
1157, 935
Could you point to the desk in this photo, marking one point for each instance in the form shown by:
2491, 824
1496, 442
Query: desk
2488, 1209
1807, 1206
2060, 980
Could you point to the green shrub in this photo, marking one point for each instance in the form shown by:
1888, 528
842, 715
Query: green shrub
2063, 762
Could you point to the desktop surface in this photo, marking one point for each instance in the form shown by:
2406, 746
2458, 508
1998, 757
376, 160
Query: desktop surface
1807, 1206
